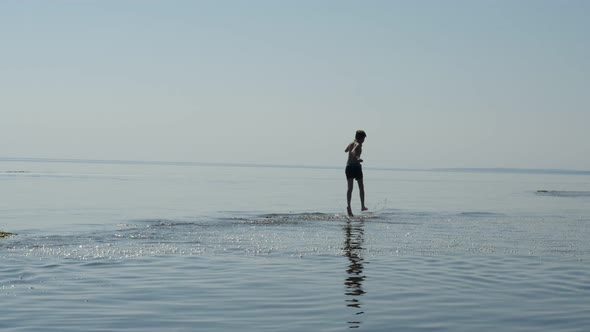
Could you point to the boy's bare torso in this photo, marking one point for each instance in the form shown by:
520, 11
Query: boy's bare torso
354, 152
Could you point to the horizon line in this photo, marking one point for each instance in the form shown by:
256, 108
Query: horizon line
269, 165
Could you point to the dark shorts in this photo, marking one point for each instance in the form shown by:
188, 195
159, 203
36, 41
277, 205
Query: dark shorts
354, 171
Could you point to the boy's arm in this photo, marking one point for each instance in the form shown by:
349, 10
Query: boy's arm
352, 147
359, 147
348, 148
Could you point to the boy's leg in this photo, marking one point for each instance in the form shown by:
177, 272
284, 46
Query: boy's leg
349, 196
362, 193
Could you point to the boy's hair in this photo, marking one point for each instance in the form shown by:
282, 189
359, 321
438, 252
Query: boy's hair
360, 134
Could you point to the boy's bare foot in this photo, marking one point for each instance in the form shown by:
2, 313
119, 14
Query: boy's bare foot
364, 208
349, 210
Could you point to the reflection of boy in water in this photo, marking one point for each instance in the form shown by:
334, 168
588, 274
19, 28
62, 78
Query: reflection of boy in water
353, 249
354, 169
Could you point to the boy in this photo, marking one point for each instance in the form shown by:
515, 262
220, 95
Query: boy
354, 169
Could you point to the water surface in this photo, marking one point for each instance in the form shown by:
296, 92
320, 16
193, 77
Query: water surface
119, 247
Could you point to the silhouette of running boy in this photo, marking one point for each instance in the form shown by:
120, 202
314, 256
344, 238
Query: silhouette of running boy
354, 170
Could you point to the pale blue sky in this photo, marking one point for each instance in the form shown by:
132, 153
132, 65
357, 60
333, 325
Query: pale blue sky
434, 83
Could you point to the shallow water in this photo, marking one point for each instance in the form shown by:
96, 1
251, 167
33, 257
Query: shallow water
114, 247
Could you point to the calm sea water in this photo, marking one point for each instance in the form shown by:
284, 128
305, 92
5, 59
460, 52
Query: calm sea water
116, 247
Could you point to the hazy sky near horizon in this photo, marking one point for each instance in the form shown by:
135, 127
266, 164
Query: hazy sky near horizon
434, 83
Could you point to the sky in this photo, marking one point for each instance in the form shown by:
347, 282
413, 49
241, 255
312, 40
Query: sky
435, 84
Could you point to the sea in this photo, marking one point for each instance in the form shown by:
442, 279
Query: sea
146, 246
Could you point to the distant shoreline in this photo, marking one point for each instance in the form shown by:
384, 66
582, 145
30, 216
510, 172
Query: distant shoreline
212, 164
514, 170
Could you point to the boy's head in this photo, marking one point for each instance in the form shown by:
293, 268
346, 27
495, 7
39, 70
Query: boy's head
360, 135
